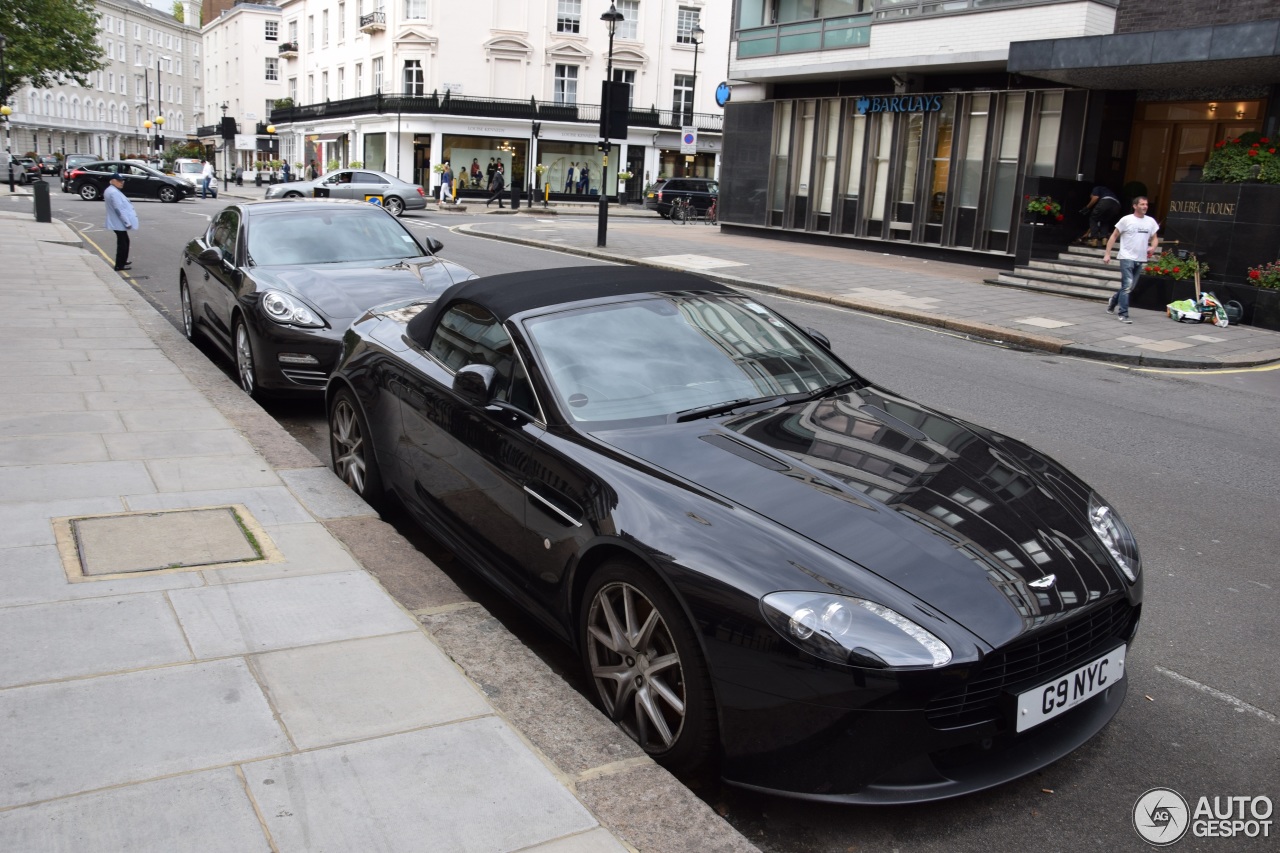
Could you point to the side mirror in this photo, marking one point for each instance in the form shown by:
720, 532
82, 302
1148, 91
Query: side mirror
434, 246
818, 338
474, 383
210, 255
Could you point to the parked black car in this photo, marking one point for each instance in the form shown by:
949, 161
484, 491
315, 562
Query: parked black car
274, 284
700, 192
69, 165
761, 556
49, 164
89, 181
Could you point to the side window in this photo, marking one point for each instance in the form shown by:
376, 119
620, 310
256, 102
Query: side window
468, 334
368, 178
225, 233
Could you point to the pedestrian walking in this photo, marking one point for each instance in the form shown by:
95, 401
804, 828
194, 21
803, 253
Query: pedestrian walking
1103, 210
121, 218
312, 173
446, 180
1138, 240
206, 175
498, 184
285, 170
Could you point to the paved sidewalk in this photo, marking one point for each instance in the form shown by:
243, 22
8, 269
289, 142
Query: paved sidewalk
241, 678
933, 293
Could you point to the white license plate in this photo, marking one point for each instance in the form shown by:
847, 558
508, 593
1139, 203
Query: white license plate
1049, 700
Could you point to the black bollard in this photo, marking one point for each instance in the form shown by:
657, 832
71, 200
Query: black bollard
43, 211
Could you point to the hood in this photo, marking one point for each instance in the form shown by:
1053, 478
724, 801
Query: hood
925, 501
342, 292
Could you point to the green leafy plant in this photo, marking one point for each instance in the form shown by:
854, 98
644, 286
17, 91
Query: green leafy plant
625, 175
438, 168
1169, 265
1266, 275
283, 103
1244, 158
331, 165
356, 164
1043, 205
539, 168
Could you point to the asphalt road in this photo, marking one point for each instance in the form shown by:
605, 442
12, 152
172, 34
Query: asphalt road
1189, 459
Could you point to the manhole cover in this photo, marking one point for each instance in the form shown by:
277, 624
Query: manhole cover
149, 541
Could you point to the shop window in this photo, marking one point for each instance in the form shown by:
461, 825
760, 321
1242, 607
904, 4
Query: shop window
1005, 185
781, 164
1048, 127
825, 178
803, 147
855, 135
882, 151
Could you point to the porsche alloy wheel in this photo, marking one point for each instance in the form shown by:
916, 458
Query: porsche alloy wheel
394, 205
349, 448
245, 369
645, 665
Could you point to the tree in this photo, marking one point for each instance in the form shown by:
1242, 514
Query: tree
49, 42
180, 14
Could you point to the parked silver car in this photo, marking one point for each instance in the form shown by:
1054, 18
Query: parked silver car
395, 195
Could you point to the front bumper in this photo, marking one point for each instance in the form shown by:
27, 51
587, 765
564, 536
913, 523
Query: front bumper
271, 341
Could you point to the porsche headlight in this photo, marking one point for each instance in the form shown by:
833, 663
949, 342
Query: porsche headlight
853, 631
285, 309
1115, 536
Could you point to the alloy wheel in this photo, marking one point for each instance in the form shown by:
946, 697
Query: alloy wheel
346, 444
636, 666
89, 192
395, 205
188, 318
244, 360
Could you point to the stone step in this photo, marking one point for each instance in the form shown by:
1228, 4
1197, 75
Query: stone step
1020, 279
1105, 276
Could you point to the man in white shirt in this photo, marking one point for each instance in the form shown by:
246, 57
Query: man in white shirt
1138, 241
206, 175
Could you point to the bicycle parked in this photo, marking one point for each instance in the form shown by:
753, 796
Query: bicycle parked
682, 211
712, 216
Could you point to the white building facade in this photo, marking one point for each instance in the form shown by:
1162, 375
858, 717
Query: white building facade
401, 85
151, 66
242, 72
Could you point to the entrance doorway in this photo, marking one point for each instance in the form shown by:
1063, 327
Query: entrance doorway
1171, 141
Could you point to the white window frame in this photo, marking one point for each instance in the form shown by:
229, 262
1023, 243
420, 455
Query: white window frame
272, 70
568, 16
377, 74
415, 9
566, 84
686, 20
414, 78
271, 30
629, 26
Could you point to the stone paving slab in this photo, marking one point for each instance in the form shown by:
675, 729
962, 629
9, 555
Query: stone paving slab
83, 480
34, 575
89, 637
460, 788
74, 736
275, 614
324, 494
308, 549
197, 813
359, 689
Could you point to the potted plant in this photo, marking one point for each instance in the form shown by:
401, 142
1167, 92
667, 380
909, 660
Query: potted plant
331, 165
1165, 278
623, 177
1249, 156
1265, 309
1042, 208
356, 164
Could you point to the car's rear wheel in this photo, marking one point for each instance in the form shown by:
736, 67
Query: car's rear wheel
395, 205
645, 665
246, 368
350, 448
167, 194
89, 191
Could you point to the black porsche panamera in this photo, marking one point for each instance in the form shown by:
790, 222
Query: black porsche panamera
764, 560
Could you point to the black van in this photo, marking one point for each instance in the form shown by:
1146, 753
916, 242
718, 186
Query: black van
700, 192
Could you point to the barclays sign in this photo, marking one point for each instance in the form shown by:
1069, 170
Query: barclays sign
900, 104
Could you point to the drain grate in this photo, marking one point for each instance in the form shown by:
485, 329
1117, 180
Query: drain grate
131, 543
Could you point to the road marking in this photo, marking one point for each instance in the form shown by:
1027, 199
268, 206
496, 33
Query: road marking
1238, 704
1262, 368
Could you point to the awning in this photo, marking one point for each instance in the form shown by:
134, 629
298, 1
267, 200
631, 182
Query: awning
1200, 57
325, 137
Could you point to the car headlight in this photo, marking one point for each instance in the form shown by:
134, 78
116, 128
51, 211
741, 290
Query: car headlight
285, 309
1115, 536
853, 631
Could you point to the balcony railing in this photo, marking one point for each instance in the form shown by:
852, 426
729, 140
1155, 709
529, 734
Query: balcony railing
288, 50
530, 110
373, 22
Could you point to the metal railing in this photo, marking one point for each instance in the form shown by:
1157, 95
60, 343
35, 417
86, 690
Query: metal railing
288, 47
531, 110
378, 17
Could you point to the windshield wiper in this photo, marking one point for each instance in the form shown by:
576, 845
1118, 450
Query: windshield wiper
722, 408
842, 385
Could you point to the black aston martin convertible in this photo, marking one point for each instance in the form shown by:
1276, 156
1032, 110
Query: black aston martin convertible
764, 560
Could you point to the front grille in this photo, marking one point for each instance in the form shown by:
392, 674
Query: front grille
1046, 654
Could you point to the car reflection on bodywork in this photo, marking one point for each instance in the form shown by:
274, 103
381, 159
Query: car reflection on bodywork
764, 560
275, 284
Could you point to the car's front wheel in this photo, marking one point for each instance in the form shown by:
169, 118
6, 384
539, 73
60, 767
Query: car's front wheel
395, 205
188, 312
350, 448
167, 194
246, 369
293, 195
645, 665
89, 191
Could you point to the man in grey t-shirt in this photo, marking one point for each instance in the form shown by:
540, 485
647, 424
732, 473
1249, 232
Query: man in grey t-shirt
1137, 235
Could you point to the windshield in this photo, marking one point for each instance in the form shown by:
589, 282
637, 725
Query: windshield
190, 168
341, 235
664, 357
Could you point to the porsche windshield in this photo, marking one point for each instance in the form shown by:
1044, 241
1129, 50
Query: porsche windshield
676, 356
344, 234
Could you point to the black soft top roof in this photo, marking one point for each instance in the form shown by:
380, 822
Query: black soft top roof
509, 294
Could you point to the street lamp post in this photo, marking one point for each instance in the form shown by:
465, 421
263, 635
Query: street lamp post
226, 155
146, 123
611, 18
159, 135
698, 33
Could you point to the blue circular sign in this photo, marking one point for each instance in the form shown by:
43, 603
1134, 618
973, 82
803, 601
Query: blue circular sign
689, 139
723, 93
